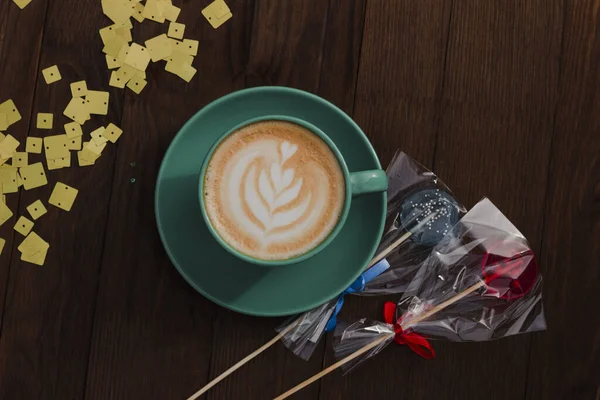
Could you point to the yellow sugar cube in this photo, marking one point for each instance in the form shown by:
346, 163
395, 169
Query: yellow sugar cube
171, 12
94, 148
63, 196
114, 45
8, 146
83, 162
153, 11
126, 72
73, 129
51, 74
11, 112
116, 80
44, 120
184, 71
56, 146
113, 62
33, 244
36, 209
190, 47
137, 84
138, 12
23, 226
77, 110
125, 33
54, 164
107, 33
160, 47
34, 145
74, 143
138, 57
79, 89
97, 136
9, 180
19, 159
217, 13
97, 102
33, 176
180, 58
59, 163
118, 11
87, 154
38, 258
123, 53
112, 132
5, 213
176, 30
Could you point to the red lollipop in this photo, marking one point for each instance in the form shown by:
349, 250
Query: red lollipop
509, 270
484, 245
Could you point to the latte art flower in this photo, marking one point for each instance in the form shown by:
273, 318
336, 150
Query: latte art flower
277, 189
275, 196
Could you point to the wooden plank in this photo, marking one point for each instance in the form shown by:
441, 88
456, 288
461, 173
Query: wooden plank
400, 76
19, 57
397, 101
341, 53
152, 332
302, 46
495, 131
565, 360
49, 311
285, 36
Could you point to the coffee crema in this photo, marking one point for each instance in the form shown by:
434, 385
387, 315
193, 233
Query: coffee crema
274, 190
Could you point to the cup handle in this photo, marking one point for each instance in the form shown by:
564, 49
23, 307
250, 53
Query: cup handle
371, 181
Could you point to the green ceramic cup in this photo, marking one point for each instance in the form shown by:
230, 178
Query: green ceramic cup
357, 183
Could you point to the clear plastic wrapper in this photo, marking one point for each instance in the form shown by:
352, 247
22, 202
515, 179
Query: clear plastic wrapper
479, 283
414, 194
420, 211
307, 330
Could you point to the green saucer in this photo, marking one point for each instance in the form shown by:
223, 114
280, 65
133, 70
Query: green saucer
222, 277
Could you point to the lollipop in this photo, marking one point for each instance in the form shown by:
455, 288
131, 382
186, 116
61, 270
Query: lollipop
420, 211
315, 316
479, 283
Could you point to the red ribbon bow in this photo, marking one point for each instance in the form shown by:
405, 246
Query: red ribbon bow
416, 342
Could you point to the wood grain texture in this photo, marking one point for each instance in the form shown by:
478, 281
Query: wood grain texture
49, 311
18, 75
565, 360
152, 332
494, 140
400, 76
341, 52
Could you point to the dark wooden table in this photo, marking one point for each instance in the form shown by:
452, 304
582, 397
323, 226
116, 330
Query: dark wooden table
501, 98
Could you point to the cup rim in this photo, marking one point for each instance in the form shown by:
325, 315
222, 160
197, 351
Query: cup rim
313, 251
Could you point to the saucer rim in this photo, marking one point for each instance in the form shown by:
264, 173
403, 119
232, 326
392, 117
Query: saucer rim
207, 109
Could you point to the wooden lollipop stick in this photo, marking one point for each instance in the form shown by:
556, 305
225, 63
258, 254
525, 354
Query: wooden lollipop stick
250, 356
242, 362
400, 240
441, 306
377, 342
335, 366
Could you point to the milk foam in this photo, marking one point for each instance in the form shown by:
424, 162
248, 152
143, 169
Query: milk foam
274, 190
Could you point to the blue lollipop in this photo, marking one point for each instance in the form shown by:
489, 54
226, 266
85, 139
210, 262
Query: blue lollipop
420, 206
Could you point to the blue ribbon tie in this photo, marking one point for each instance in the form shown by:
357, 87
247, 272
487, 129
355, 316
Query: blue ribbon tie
357, 286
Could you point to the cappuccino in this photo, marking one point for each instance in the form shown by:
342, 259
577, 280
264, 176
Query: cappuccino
274, 190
